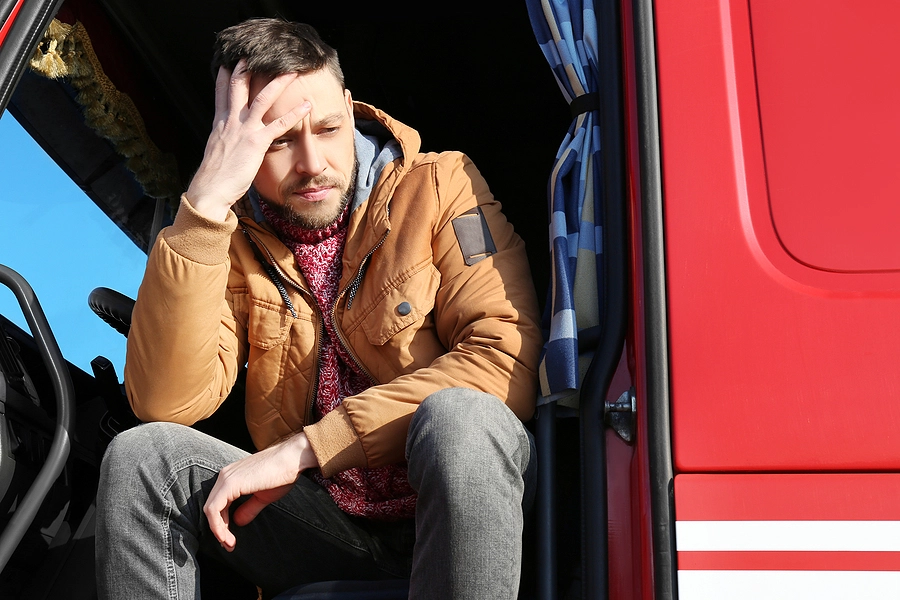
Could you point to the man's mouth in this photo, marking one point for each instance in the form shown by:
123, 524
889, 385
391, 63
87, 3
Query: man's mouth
312, 194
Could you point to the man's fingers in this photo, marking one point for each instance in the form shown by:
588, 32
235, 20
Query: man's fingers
287, 121
233, 101
239, 87
247, 511
228, 541
222, 79
269, 94
216, 511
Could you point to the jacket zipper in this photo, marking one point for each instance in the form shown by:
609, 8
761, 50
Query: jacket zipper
311, 401
353, 286
274, 264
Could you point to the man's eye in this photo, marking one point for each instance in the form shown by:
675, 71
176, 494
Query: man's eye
328, 130
278, 143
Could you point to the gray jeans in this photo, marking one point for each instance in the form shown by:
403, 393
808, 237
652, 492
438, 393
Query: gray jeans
470, 460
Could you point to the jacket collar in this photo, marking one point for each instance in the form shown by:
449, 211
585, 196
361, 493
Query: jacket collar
378, 210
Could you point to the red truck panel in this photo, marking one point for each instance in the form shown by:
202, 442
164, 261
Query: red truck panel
780, 361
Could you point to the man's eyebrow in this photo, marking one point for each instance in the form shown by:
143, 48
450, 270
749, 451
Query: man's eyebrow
334, 118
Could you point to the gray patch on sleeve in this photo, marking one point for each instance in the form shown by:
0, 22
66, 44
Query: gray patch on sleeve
473, 236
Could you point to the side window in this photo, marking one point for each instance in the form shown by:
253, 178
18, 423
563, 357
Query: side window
64, 246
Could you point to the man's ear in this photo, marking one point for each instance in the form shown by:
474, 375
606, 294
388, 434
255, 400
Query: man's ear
349, 100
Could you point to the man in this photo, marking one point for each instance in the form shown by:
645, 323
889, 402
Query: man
385, 312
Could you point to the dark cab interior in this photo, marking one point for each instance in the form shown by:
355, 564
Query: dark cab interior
468, 76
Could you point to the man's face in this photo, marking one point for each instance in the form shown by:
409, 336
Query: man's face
309, 173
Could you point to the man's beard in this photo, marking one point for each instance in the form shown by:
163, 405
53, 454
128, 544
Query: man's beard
285, 209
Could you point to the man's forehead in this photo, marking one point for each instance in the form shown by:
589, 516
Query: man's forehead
323, 91
322, 79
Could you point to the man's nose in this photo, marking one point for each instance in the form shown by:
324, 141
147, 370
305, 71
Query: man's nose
309, 160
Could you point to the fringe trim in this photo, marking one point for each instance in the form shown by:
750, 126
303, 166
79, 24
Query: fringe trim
66, 52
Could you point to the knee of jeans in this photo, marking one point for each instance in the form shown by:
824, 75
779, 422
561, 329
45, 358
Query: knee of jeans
459, 424
138, 446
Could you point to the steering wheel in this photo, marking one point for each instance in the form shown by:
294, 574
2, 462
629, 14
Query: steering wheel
65, 409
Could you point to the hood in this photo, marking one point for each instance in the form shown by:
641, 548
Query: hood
382, 130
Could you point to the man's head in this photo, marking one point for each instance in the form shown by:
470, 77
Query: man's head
309, 174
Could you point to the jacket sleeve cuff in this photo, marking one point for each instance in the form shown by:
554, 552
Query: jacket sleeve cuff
335, 443
197, 238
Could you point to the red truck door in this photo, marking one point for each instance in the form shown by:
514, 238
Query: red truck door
779, 130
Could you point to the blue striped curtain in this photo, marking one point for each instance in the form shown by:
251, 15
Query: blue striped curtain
567, 33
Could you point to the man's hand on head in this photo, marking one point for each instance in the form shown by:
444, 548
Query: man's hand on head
265, 476
239, 140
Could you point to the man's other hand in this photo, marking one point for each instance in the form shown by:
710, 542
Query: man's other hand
265, 476
239, 140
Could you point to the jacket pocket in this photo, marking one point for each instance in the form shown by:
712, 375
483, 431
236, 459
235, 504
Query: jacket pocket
408, 302
268, 326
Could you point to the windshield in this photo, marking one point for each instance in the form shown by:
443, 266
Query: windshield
53, 235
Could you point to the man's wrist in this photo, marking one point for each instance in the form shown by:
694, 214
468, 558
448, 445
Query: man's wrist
306, 457
207, 207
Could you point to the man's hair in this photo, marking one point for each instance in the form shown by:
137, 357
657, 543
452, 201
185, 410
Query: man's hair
274, 47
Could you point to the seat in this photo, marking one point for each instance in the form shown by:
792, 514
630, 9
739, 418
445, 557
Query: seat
113, 307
